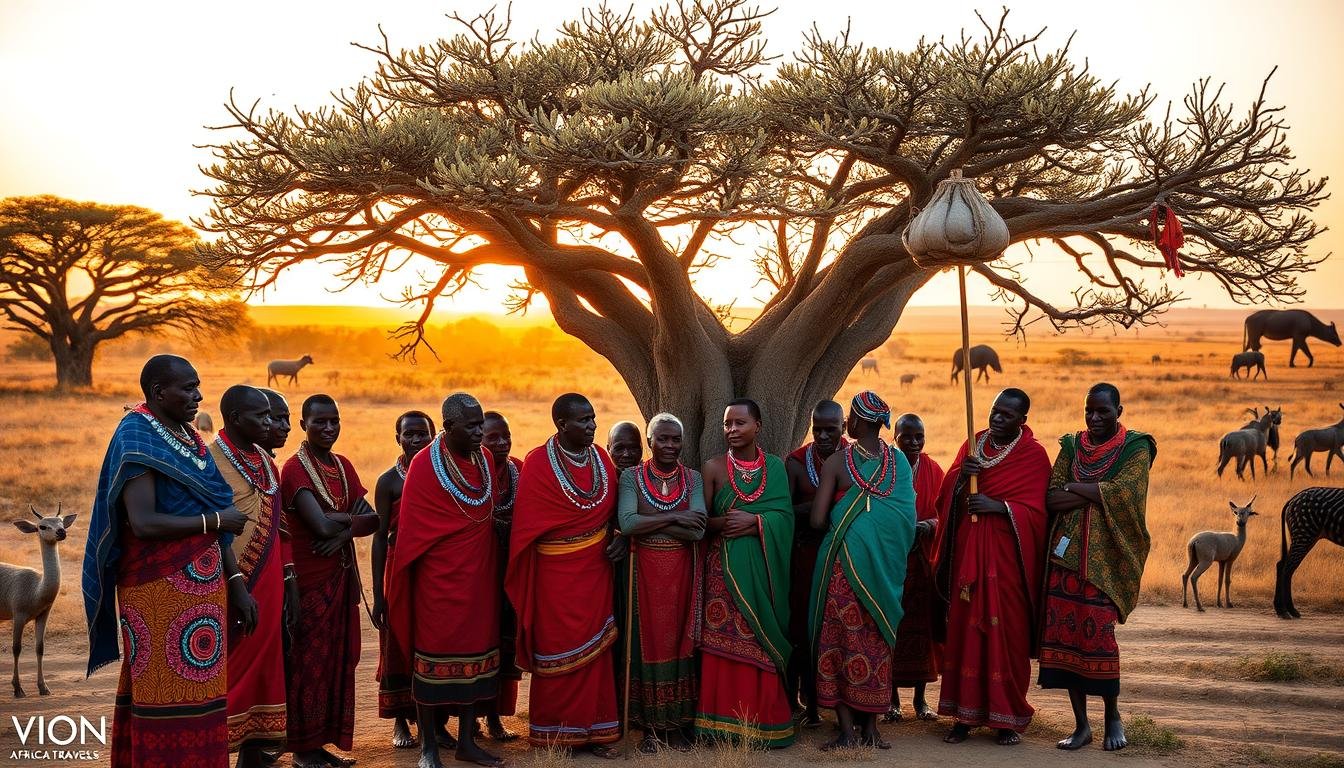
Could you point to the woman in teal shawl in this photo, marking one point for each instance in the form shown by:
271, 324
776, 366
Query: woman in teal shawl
867, 497
744, 635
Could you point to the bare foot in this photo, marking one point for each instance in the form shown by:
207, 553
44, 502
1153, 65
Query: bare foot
843, 741
1114, 737
336, 762
445, 739
958, 734
469, 752
1077, 740
401, 735
497, 730
923, 712
811, 719
649, 745
875, 739
603, 751
1008, 737
893, 715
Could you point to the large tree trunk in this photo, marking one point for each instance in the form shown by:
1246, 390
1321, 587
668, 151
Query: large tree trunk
74, 363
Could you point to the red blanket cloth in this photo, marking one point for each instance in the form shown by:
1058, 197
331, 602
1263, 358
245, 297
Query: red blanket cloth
1168, 236
442, 600
989, 580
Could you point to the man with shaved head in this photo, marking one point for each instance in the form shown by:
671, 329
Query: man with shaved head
804, 469
560, 581
914, 658
625, 445
256, 649
442, 601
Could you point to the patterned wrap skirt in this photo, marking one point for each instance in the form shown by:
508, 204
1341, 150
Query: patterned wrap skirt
853, 659
1078, 648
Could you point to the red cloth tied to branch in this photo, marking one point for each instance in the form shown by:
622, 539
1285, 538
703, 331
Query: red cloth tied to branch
1169, 237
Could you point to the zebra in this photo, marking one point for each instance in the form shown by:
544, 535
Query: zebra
1311, 515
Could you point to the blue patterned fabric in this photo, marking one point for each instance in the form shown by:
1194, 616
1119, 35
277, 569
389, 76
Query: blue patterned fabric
180, 488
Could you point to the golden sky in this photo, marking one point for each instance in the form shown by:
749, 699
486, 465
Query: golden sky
105, 101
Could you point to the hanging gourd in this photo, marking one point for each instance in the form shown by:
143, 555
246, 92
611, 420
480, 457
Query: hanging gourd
958, 227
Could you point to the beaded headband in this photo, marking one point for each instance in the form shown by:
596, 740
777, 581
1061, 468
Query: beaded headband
870, 407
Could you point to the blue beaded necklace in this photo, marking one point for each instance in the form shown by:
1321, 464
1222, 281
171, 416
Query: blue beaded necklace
452, 480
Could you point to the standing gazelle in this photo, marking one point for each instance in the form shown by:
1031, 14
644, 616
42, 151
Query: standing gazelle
1208, 547
27, 596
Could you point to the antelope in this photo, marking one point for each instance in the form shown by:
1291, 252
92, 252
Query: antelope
868, 364
1329, 439
1208, 547
277, 368
1248, 442
27, 596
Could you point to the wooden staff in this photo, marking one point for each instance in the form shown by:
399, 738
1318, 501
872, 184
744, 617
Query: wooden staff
629, 629
966, 374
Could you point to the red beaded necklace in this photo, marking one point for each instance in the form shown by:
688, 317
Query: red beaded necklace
1094, 461
747, 470
873, 486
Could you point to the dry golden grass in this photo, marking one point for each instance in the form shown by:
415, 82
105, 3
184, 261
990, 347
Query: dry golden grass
51, 445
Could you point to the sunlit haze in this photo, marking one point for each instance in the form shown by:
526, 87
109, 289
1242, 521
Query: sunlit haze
106, 101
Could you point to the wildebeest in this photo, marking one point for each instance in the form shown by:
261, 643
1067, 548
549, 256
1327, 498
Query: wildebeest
1248, 442
277, 368
1249, 360
1295, 324
1329, 439
908, 378
1311, 515
868, 364
1156, 359
983, 357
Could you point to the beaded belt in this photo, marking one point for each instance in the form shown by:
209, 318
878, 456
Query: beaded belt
662, 544
571, 543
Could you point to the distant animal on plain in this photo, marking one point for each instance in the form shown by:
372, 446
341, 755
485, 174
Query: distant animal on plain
333, 377
204, 423
868, 365
1248, 442
983, 357
1208, 547
1157, 359
1295, 324
908, 379
26, 595
1249, 360
1328, 439
277, 368
1271, 437
1311, 515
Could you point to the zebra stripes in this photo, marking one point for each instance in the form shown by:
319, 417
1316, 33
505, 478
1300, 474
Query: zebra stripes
1313, 514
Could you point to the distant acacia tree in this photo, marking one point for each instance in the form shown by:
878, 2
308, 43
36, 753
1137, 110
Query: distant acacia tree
78, 274
613, 163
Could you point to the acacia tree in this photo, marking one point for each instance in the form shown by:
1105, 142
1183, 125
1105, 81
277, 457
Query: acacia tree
613, 163
78, 274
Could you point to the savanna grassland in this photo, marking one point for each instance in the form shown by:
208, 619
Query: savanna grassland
1181, 662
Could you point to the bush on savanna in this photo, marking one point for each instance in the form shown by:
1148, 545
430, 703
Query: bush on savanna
1288, 667
29, 347
1143, 732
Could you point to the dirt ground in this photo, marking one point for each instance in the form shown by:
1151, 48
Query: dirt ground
1186, 671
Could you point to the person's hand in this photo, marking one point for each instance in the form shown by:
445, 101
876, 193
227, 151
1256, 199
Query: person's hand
329, 547
232, 521
925, 528
690, 520
340, 518
379, 613
980, 504
243, 604
740, 523
970, 467
1060, 500
618, 548
291, 603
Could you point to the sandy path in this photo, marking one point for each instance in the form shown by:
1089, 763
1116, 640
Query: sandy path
1166, 656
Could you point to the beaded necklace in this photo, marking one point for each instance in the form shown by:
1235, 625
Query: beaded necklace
506, 505
260, 475
188, 444
872, 487
1094, 461
985, 461
813, 463
318, 474
664, 501
584, 500
748, 471
400, 467
454, 482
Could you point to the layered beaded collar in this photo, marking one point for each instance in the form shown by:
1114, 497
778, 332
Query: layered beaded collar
188, 444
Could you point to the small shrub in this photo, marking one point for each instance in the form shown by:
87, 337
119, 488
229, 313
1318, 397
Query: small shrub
1142, 731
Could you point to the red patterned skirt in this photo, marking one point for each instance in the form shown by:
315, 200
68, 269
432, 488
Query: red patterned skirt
171, 699
914, 658
853, 659
1078, 648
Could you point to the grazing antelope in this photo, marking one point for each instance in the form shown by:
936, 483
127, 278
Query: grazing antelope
1208, 547
1329, 439
1249, 442
1313, 514
277, 368
27, 596
868, 365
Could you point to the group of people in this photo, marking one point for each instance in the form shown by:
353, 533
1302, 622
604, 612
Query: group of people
726, 603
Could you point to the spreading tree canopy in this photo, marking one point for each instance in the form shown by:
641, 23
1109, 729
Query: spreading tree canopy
78, 274
615, 161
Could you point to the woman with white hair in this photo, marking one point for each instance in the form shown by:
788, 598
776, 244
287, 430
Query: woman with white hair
662, 509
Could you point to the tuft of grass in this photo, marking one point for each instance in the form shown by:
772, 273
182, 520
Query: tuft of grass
1288, 667
550, 756
1292, 759
1143, 732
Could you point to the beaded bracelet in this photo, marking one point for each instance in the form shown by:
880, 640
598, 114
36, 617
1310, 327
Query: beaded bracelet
238, 575
203, 530
216, 519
